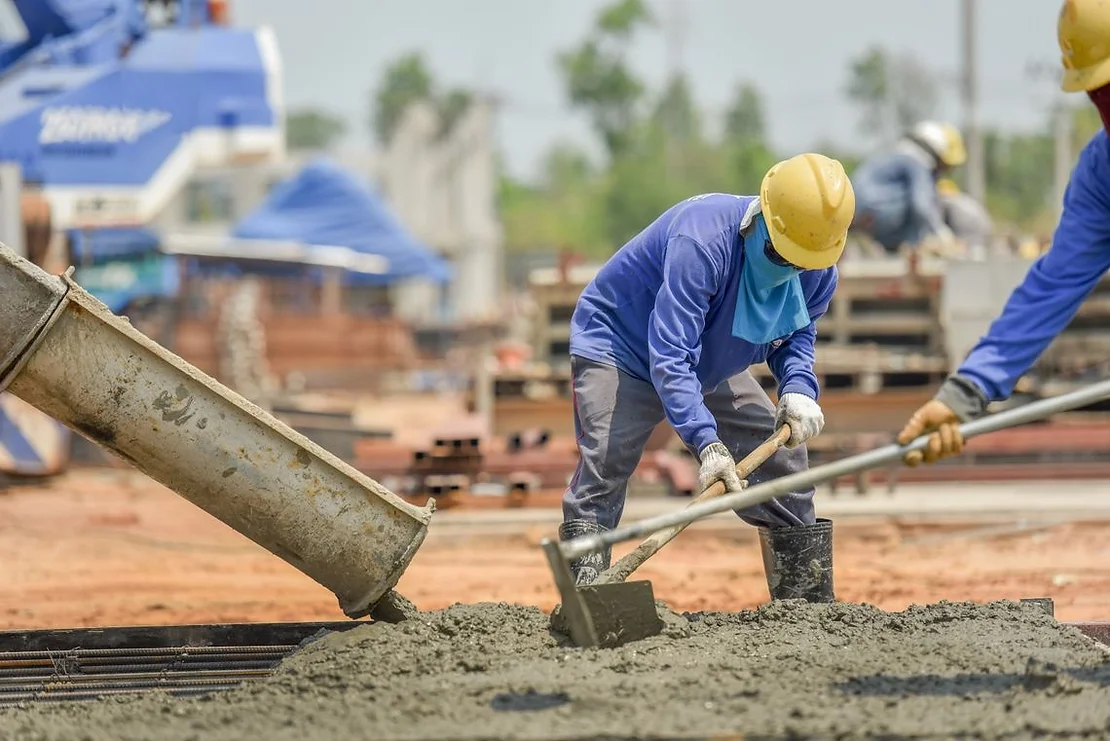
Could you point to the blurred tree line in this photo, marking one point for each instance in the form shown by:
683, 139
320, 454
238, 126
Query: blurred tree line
657, 149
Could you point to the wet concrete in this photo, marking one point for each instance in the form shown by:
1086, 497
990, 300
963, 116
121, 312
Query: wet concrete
787, 670
393, 607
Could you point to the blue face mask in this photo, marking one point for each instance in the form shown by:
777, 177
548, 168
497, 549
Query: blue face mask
770, 303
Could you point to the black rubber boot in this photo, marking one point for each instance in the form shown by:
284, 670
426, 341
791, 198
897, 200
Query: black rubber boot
585, 568
798, 561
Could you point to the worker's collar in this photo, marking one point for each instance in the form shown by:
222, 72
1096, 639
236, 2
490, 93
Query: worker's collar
1101, 99
749, 215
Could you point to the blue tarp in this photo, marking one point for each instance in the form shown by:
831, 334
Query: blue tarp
100, 245
326, 205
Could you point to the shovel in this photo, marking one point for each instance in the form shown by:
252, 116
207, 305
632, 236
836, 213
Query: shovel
620, 612
579, 613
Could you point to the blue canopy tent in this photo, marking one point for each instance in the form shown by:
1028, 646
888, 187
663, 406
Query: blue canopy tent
327, 210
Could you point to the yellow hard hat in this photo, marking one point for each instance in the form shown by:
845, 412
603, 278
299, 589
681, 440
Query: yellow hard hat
947, 187
943, 139
1083, 31
808, 204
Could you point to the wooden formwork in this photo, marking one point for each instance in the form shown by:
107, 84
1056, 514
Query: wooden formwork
349, 345
888, 312
867, 369
555, 294
341, 349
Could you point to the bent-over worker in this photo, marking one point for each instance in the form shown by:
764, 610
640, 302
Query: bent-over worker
668, 329
1059, 281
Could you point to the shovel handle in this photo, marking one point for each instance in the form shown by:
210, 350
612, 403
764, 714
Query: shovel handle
624, 567
747, 466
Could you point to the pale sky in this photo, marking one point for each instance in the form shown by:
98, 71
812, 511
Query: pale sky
796, 50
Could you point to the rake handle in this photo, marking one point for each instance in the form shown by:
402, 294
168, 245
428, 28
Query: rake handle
893, 453
651, 545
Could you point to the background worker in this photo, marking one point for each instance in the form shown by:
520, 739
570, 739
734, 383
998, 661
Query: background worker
669, 327
970, 222
897, 202
1057, 283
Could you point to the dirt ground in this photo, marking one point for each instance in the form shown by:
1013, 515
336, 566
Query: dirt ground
109, 547
785, 671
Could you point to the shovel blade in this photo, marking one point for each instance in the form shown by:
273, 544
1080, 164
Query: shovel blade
621, 612
604, 615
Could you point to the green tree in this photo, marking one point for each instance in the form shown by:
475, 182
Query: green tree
621, 18
566, 167
406, 81
869, 87
597, 77
1085, 123
564, 210
892, 91
309, 128
677, 113
451, 106
746, 151
655, 173
639, 186
1018, 173
744, 120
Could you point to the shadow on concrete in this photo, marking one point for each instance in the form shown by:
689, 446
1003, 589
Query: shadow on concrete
1037, 676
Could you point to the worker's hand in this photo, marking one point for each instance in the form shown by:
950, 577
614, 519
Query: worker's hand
945, 236
942, 243
717, 464
804, 416
946, 440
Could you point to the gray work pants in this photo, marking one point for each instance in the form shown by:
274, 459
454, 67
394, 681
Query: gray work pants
614, 415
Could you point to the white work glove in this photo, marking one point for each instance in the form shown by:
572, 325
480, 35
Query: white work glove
717, 465
945, 236
942, 243
804, 416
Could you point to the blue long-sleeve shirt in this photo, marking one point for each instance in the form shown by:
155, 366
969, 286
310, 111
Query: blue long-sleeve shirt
1057, 283
661, 309
896, 199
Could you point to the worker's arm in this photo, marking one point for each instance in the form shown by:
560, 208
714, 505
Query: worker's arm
792, 361
1044, 304
924, 202
1036, 312
692, 274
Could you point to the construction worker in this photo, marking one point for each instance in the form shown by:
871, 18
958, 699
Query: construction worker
970, 222
1059, 281
669, 327
896, 191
